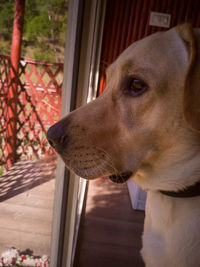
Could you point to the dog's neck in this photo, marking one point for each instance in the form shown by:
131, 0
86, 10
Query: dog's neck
190, 191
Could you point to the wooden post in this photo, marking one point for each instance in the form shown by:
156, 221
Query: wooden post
11, 155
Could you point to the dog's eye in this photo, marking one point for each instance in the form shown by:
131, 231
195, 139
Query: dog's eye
135, 87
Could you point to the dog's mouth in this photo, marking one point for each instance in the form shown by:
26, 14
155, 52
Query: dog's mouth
120, 178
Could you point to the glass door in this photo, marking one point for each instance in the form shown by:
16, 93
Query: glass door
81, 68
29, 103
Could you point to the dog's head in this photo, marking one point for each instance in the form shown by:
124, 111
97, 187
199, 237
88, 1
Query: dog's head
146, 122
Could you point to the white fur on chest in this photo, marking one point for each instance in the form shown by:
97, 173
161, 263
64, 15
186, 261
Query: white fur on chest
171, 232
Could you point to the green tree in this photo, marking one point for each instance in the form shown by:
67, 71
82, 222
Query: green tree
6, 18
45, 24
44, 28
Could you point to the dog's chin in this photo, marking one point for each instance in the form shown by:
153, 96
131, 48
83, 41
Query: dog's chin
120, 178
89, 174
116, 178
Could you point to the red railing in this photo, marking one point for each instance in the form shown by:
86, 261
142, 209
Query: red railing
37, 107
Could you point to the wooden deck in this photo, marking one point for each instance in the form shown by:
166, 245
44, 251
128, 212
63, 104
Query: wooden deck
26, 206
110, 230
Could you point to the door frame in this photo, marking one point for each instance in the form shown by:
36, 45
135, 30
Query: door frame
81, 73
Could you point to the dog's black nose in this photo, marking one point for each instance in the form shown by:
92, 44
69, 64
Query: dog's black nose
56, 136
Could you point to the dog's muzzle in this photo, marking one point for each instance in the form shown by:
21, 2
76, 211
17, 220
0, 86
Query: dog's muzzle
59, 140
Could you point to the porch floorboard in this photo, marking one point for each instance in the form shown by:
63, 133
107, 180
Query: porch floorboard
26, 206
110, 230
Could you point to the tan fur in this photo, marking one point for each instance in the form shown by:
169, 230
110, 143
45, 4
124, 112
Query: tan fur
154, 135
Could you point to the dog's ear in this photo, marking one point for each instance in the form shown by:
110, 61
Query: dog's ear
191, 101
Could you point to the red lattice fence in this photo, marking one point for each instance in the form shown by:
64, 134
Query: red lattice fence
37, 106
4, 75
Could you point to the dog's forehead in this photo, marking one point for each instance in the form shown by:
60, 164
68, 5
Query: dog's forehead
159, 50
137, 54
150, 49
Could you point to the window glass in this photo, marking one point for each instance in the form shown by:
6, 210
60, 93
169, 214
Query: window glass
30, 101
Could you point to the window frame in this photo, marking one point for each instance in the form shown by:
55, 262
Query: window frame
81, 73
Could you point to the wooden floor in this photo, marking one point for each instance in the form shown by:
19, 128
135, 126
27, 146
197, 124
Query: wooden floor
110, 230
26, 206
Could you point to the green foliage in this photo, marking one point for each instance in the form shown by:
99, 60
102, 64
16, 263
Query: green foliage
35, 143
5, 47
6, 18
1, 170
44, 28
37, 25
44, 56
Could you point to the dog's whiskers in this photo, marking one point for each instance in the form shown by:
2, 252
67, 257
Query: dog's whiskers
90, 169
102, 165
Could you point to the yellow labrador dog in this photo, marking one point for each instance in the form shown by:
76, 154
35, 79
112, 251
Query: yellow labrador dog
146, 125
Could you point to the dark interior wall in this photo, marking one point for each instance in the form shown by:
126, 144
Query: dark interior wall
127, 21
